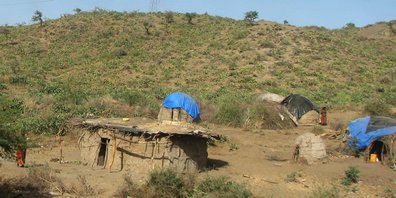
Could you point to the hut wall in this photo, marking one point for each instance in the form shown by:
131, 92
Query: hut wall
184, 153
390, 156
310, 118
311, 148
175, 114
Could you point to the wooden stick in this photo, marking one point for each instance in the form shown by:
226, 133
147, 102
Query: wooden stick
114, 152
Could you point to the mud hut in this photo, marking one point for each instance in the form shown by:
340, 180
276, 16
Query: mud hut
384, 149
309, 149
376, 135
301, 109
178, 107
117, 146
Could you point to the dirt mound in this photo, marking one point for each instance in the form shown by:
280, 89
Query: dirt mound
276, 117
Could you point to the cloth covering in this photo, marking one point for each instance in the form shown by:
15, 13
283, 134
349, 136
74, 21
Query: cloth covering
183, 101
364, 131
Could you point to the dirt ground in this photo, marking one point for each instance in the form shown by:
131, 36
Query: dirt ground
259, 158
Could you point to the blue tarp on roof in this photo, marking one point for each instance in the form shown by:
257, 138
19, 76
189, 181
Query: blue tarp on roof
364, 131
184, 101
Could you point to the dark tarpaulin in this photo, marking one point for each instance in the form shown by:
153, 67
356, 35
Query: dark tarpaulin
298, 105
379, 122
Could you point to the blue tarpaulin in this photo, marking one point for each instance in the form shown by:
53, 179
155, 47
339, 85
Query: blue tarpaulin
364, 131
183, 101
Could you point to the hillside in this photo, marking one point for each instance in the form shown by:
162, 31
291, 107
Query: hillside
105, 64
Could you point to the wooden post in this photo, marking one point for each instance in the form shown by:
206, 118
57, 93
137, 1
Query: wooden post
114, 152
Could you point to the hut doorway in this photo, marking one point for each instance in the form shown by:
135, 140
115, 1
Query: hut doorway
102, 151
378, 147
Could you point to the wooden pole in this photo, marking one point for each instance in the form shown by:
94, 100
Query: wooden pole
114, 152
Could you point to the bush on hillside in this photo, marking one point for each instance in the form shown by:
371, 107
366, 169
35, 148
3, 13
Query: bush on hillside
351, 176
223, 187
230, 113
167, 183
10, 112
377, 108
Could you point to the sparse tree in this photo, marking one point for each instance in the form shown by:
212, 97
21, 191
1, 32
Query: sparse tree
147, 25
251, 16
38, 16
285, 22
169, 17
77, 10
190, 16
350, 25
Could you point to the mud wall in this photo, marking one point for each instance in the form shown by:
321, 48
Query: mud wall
184, 154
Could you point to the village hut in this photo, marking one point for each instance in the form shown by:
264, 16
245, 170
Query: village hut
179, 107
376, 135
383, 150
309, 149
118, 145
301, 109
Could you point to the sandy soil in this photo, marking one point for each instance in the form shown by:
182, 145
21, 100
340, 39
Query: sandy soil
259, 158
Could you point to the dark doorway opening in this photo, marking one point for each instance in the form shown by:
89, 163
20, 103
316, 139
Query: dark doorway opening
102, 151
378, 147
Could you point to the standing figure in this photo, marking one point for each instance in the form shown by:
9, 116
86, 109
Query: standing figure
323, 116
20, 157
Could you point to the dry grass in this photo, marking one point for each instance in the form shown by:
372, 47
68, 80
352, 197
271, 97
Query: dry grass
42, 181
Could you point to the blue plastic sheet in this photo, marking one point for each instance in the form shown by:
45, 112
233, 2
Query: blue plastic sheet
360, 138
183, 101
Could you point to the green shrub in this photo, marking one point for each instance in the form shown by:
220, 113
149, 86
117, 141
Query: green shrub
118, 52
3, 86
390, 193
223, 187
162, 183
351, 176
377, 107
292, 177
10, 112
166, 180
19, 79
230, 112
43, 125
169, 17
267, 44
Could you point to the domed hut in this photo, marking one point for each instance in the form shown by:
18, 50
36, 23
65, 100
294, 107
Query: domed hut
309, 149
376, 135
301, 109
179, 107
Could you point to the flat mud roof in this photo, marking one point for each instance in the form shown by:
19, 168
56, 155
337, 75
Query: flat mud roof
146, 129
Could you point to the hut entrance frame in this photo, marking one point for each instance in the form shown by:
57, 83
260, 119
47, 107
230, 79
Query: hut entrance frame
379, 148
102, 154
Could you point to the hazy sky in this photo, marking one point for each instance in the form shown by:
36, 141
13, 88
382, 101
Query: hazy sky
327, 13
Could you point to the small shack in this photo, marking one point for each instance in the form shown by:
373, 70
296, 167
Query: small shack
302, 110
179, 107
385, 150
377, 133
118, 145
309, 149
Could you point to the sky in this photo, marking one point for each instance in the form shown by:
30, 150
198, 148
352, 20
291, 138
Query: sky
327, 13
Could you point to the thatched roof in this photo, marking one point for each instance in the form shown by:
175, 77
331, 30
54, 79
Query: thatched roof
149, 130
